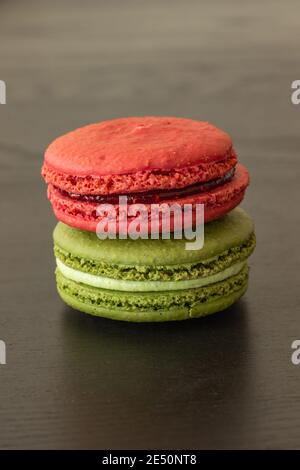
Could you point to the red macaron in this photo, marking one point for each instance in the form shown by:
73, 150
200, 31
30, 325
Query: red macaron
162, 160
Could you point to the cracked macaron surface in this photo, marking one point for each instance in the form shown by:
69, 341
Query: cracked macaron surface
149, 159
154, 280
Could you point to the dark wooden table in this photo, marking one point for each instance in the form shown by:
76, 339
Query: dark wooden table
72, 381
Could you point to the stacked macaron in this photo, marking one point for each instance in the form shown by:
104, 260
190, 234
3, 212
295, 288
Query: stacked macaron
150, 160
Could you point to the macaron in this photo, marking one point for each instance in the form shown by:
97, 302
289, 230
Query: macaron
154, 280
161, 160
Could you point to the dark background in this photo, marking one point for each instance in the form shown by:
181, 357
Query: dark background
72, 381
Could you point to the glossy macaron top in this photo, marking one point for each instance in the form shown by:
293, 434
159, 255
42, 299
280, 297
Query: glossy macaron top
138, 154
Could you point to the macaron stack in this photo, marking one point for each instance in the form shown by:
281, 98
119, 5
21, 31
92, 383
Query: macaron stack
150, 160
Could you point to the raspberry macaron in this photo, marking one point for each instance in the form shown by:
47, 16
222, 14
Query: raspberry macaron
162, 160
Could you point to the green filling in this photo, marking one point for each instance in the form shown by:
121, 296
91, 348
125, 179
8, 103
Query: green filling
159, 273
150, 300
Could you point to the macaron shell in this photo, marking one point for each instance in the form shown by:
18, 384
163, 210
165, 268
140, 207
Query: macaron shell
159, 315
219, 236
140, 180
217, 202
133, 144
169, 272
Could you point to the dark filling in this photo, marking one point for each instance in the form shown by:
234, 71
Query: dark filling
154, 196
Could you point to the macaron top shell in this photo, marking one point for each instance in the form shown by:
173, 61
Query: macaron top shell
221, 235
138, 154
128, 145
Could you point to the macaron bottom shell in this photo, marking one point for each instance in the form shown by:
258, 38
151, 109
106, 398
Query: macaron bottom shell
153, 306
217, 202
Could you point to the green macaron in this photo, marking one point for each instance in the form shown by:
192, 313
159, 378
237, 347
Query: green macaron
154, 280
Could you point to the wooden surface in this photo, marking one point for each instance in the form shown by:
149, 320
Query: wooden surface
76, 382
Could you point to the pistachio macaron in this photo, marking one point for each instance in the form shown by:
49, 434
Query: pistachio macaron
154, 280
